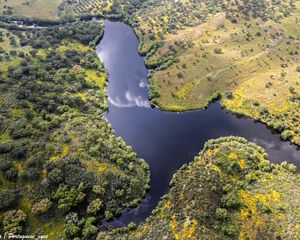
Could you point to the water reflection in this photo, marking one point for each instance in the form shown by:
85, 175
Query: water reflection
166, 140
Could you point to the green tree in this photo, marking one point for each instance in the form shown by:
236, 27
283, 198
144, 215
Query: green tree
42, 207
68, 197
14, 221
94, 206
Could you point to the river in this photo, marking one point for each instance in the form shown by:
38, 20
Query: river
167, 140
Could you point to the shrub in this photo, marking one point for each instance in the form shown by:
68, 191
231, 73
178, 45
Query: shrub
218, 51
229, 95
180, 75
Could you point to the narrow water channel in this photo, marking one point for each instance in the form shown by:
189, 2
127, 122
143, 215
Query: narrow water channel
166, 140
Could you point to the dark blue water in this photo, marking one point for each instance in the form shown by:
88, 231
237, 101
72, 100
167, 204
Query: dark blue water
166, 140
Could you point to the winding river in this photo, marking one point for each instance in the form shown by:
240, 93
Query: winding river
166, 140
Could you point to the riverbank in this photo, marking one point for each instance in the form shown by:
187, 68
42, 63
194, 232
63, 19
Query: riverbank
229, 191
170, 139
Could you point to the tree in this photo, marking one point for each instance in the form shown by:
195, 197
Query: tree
14, 221
89, 229
11, 174
231, 200
68, 197
8, 198
229, 230
55, 176
42, 207
94, 206
287, 134
221, 213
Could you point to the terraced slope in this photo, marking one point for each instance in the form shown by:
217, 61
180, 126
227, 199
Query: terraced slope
229, 191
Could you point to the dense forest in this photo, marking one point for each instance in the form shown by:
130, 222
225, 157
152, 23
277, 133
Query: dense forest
62, 168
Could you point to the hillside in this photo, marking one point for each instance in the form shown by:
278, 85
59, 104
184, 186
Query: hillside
245, 52
229, 191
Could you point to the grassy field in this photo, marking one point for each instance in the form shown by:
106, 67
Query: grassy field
31, 8
229, 191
